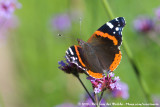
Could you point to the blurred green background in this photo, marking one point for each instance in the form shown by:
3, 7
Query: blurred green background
36, 49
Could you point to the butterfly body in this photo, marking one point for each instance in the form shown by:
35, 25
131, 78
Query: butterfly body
101, 52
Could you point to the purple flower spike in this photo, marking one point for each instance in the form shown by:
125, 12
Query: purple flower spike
7, 8
143, 24
104, 83
121, 93
61, 22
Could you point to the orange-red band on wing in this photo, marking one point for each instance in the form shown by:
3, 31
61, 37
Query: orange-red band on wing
80, 60
116, 61
106, 35
95, 75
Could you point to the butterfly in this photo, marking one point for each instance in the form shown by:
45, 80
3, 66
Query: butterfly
101, 53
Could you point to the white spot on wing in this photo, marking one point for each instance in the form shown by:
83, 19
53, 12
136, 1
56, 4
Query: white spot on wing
114, 32
67, 52
110, 25
117, 29
71, 51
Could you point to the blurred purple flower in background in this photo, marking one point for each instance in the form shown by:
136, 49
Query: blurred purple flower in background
7, 8
143, 24
8, 21
122, 93
156, 100
150, 27
61, 22
157, 12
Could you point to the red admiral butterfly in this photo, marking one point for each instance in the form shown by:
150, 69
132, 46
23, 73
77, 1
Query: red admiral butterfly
101, 53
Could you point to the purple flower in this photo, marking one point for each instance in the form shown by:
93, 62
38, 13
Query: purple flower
7, 8
61, 22
116, 78
111, 74
98, 88
143, 24
105, 83
157, 12
112, 85
121, 93
66, 105
70, 68
156, 100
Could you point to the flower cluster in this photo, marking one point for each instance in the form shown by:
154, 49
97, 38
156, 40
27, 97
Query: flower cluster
7, 8
8, 21
143, 24
69, 67
107, 82
146, 24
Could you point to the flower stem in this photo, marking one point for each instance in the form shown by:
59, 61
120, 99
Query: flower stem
130, 56
85, 89
96, 100
101, 96
108, 9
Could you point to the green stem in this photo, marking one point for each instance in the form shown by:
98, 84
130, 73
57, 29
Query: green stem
85, 89
130, 56
108, 9
96, 100
101, 96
